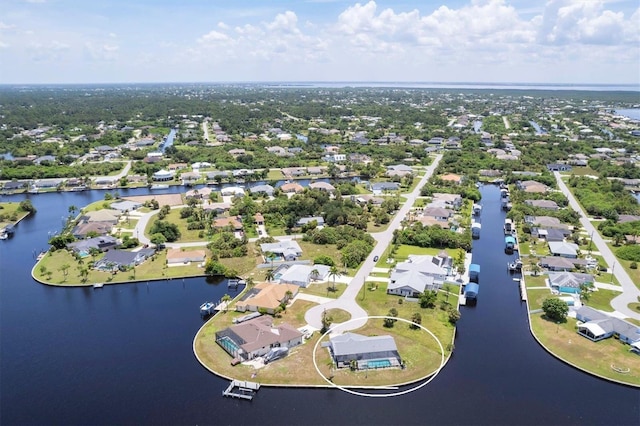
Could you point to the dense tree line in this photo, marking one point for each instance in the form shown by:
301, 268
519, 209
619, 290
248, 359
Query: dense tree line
603, 197
432, 236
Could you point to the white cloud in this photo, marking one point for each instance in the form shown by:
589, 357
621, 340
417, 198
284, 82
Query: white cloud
586, 21
100, 52
213, 36
4, 26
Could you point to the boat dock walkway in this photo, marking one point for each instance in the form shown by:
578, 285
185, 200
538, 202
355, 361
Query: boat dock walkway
241, 389
523, 290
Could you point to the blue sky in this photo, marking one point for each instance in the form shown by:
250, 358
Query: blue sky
537, 41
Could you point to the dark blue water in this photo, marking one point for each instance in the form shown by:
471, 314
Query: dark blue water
633, 113
539, 130
169, 140
122, 354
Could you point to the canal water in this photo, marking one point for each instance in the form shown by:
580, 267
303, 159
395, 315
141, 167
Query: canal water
122, 354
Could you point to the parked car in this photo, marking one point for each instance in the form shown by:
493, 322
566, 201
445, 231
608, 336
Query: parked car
375, 258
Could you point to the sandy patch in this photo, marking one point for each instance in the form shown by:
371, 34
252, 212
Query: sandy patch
163, 199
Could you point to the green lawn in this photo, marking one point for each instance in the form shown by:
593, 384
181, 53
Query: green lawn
274, 175
601, 299
186, 235
596, 357
580, 171
154, 268
325, 289
10, 213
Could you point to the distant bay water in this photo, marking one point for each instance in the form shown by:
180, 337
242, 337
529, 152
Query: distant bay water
454, 85
633, 113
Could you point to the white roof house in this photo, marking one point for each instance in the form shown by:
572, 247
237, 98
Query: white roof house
286, 250
232, 190
417, 274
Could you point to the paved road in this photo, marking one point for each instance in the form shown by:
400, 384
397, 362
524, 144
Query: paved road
347, 301
120, 175
630, 291
205, 129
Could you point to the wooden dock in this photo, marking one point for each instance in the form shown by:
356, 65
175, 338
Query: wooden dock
523, 291
241, 389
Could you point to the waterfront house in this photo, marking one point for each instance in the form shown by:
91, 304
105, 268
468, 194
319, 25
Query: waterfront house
202, 193
256, 337
258, 219
563, 249
267, 297
290, 172
569, 282
322, 186
234, 191
351, 350
551, 234
262, 189
84, 229
163, 176
190, 178
597, 325
287, 250
115, 260
103, 215
555, 263
102, 243
125, 205
453, 201
316, 170
292, 188
532, 186
438, 213
543, 204
545, 222
180, 257
418, 274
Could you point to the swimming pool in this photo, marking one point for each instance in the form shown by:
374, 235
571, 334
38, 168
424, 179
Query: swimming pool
383, 363
229, 345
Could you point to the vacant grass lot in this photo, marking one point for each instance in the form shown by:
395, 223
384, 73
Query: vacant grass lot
596, 357
8, 210
325, 289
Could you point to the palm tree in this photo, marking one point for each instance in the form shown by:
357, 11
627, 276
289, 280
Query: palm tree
269, 255
315, 273
250, 282
334, 272
269, 276
226, 299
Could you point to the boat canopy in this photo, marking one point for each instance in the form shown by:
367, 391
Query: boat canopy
474, 267
471, 290
509, 240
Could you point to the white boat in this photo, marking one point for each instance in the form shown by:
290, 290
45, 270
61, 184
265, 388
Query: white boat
207, 308
515, 266
159, 186
98, 285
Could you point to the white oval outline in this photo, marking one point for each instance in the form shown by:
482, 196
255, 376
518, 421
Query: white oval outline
378, 395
